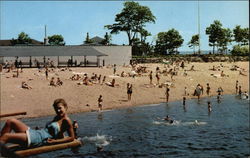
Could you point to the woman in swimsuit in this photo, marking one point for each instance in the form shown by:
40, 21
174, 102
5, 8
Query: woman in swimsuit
129, 90
53, 133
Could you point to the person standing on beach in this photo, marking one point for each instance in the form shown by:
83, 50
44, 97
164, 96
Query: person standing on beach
202, 89
167, 92
208, 89
103, 80
1, 67
46, 72
185, 91
17, 72
129, 91
240, 90
157, 75
99, 79
197, 91
236, 86
100, 100
182, 65
114, 69
151, 77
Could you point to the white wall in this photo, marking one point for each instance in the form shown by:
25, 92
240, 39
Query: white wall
116, 54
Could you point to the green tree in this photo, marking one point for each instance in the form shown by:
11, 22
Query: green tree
107, 39
87, 40
214, 31
132, 20
56, 40
23, 38
194, 42
168, 42
240, 50
225, 38
241, 35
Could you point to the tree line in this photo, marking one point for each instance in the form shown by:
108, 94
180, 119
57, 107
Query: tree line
133, 19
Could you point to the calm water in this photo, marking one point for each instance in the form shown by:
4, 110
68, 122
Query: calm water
138, 131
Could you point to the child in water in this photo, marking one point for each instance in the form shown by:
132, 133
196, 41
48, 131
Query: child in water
53, 133
209, 106
100, 100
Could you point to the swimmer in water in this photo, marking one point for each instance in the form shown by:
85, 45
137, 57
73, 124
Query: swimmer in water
168, 119
209, 106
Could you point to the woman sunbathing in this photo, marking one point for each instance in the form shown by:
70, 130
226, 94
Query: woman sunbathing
25, 85
53, 133
241, 73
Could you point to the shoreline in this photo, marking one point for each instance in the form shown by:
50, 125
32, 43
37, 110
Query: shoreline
116, 108
37, 102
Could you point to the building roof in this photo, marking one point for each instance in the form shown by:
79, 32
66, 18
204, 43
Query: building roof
26, 51
97, 39
8, 42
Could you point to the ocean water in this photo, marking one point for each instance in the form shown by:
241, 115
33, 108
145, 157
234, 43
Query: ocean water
140, 132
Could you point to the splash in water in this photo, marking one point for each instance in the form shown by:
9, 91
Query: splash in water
98, 140
196, 122
166, 123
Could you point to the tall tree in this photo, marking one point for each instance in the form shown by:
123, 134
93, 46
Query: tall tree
168, 42
241, 35
107, 39
194, 42
56, 40
224, 39
132, 20
87, 40
214, 31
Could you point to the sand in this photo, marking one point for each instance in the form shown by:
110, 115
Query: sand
38, 100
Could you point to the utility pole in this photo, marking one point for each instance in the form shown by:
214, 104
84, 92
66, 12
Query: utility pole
45, 37
199, 51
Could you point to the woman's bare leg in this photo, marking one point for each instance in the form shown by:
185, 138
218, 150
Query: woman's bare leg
14, 124
17, 138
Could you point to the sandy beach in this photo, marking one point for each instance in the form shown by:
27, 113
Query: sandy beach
38, 100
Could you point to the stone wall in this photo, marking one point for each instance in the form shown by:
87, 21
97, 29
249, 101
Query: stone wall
193, 59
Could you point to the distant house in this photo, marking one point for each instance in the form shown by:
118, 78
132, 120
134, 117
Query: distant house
97, 41
9, 42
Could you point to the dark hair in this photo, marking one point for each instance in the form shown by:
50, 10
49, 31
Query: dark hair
209, 102
57, 101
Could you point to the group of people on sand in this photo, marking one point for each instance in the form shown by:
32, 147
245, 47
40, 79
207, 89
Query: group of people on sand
54, 83
86, 80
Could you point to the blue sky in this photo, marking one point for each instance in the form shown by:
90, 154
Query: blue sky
73, 19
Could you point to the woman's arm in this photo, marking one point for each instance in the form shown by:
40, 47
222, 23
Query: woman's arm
66, 125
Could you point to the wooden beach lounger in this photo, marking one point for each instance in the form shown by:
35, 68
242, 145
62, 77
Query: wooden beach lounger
13, 114
43, 149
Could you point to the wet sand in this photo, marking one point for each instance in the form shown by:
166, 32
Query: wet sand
38, 100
